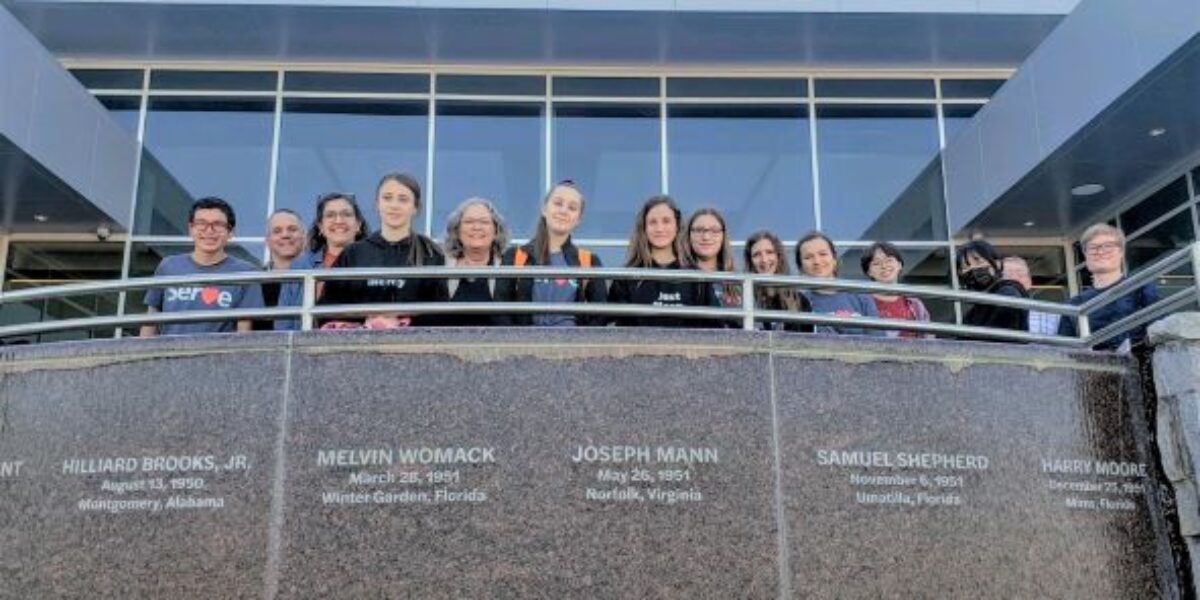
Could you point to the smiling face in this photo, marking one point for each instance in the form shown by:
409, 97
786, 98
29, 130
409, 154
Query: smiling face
562, 210
816, 259
396, 204
706, 237
285, 236
1103, 254
477, 230
763, 257
883, 268
210, 230
661, 227
339, 223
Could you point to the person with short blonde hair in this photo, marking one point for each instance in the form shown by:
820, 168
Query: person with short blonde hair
1104, 256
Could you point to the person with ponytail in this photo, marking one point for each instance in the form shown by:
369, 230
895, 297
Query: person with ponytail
562, 210
765, 256
396, 244
656, 243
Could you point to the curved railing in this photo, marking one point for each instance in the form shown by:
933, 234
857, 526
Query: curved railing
745, 315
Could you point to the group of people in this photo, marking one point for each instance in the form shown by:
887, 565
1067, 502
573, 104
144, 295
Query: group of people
477, 236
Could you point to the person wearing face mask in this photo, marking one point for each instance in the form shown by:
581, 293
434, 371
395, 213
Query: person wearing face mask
338, 222
764, 255
562, 210
980, 270
656, 243
882, 262
396, 244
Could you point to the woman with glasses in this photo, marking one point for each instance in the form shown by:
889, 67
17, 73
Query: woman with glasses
764, 255
882, 262
656, 243
1104, 256
475, 237
817, 257
337, 223
708, 250
395, 244
562, 210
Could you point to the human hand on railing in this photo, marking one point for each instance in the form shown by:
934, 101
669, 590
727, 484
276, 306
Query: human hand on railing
388, 321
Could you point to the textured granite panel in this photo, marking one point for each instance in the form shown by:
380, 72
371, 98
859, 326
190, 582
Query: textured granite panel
673, 497
137, 469
962, 470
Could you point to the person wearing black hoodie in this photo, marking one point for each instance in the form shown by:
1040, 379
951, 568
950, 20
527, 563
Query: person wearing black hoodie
980, 270
656, 243
398, 199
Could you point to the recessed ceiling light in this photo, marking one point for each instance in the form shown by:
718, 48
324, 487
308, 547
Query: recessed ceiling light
1029, 223
40, 218
1087, 189
1157, 131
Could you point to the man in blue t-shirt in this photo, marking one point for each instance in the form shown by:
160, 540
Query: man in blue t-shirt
1104, 255
210, 224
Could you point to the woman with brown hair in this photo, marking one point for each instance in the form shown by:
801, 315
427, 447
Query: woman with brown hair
656, 243
562, 210
708, 249
765, 256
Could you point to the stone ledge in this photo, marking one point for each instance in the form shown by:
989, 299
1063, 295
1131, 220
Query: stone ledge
1179, 327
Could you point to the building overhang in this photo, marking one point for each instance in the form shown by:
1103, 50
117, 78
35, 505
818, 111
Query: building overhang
711, 34
1110, 98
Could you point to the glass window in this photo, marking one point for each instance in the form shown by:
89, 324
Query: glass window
1172, 196
970, 88
736, 87
875, 88
880, 173
233, 81
124, 110
490, 150
374, 83
39, 264
1164, 238
956, 116
922, 266
109, 79
198, 147
753, 163
1196, 181
492, 85
346, 146
606, 86
613, 153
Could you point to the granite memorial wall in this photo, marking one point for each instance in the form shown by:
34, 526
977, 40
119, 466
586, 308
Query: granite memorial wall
574, 464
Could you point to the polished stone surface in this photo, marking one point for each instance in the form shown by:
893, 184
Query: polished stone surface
442, 464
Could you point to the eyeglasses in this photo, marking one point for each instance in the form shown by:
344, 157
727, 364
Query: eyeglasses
477, 223
880, 263
703, 231
333, 215
1102, 248
217, 226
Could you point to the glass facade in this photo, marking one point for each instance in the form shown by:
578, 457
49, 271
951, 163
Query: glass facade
854, 157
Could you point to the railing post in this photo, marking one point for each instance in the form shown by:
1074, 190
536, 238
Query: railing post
308, 302
1196, 268
748, 303
1085, 327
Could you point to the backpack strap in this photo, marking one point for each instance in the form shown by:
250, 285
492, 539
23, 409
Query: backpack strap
521, 257
585, 258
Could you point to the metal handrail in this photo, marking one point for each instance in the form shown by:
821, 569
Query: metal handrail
747, 314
